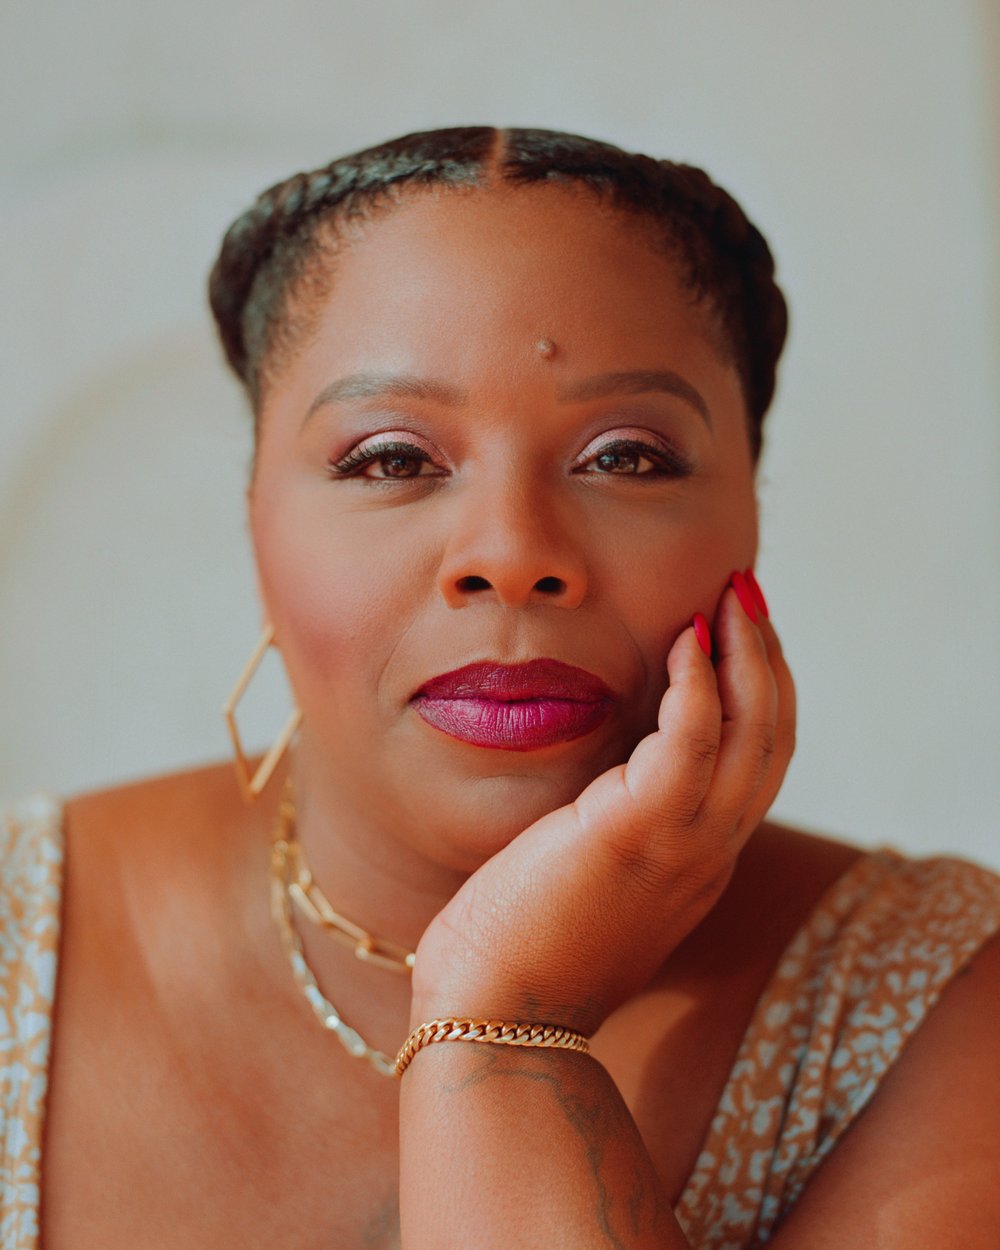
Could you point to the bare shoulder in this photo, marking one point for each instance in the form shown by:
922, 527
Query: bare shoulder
151, 861
204, 794
162, 827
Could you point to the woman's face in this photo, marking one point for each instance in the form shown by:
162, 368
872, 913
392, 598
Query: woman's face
578, 503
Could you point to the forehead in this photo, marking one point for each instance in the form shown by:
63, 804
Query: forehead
543, 243
544, 258
462, 284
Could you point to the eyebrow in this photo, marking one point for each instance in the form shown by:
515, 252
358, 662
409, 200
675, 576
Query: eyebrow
379, 385
637, 382
600, 386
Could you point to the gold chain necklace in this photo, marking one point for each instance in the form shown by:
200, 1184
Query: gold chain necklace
315, 906
287, 866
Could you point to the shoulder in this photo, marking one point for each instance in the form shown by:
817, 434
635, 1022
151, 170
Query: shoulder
62, 855
155, 870
204, 793
893, 985
875, 944
863, 974
159, 826
137, 853
919, 1167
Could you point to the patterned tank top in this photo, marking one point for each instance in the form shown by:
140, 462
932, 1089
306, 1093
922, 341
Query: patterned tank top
852, 986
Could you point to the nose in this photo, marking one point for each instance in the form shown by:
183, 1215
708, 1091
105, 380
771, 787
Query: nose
509, 544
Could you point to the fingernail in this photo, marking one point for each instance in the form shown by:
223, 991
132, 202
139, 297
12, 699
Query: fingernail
739, 584
758, 594
702, 633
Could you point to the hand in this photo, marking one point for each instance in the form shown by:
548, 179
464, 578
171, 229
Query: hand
579, 911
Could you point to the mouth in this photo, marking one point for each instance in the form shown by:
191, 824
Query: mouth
515, 707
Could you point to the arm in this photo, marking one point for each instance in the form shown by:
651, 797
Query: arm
507, 1146
503, 1146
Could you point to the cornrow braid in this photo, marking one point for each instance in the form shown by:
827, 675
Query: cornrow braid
722, 256
738, 262
266, 250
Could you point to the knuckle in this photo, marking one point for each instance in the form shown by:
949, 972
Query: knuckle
682, 814
703, 748
678, 873
642, 869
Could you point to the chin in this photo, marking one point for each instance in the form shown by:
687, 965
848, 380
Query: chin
486, 813
470, 803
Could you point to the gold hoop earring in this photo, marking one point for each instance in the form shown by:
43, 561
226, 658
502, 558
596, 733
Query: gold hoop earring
253, 783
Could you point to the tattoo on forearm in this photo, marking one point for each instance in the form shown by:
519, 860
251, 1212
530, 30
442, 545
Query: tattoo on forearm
382, 1229
602, 1123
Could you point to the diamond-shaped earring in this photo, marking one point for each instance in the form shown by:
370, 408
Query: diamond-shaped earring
253, 783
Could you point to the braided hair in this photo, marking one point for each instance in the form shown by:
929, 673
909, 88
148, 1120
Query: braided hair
268, 255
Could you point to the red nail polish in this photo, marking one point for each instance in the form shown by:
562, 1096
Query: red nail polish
703, 633
739, 584
758, 594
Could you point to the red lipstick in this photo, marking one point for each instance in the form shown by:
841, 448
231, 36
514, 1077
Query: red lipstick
515, 707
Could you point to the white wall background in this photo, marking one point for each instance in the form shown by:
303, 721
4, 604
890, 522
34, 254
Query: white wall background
863, 138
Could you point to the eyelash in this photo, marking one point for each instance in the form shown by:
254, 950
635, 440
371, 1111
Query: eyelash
667, 463
361, 456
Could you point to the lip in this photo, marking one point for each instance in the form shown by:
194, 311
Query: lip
515, 707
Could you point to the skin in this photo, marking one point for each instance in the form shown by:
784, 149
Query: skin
622, 884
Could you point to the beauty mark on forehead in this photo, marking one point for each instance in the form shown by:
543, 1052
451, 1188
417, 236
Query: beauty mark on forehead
599, 386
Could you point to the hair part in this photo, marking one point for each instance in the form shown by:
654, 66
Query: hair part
266, 283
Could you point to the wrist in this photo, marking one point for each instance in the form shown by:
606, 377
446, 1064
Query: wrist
506, 1034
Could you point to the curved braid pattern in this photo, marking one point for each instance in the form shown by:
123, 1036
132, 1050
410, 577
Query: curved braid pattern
723, 257
491, 1031
276, 214
280, 224
743, 262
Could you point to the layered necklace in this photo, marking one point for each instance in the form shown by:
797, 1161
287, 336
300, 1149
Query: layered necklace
293, 886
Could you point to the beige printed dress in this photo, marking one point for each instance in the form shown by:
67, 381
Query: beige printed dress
852, 986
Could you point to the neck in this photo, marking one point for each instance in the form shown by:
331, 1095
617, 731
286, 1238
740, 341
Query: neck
369, 875
372, 879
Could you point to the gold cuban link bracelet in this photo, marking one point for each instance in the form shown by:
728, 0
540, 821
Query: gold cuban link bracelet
494, 1031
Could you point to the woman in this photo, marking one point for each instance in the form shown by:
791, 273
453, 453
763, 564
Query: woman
508, 390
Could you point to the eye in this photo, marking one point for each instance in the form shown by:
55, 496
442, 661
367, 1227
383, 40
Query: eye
630, 457
394, 460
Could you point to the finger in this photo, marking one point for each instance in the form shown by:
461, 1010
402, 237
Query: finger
669, 773
785, 725
749, 697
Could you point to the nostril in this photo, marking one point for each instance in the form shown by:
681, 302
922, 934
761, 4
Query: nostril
473, 582
550, 585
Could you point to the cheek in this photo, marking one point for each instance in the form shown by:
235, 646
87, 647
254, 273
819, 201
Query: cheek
666, 576
334, 620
